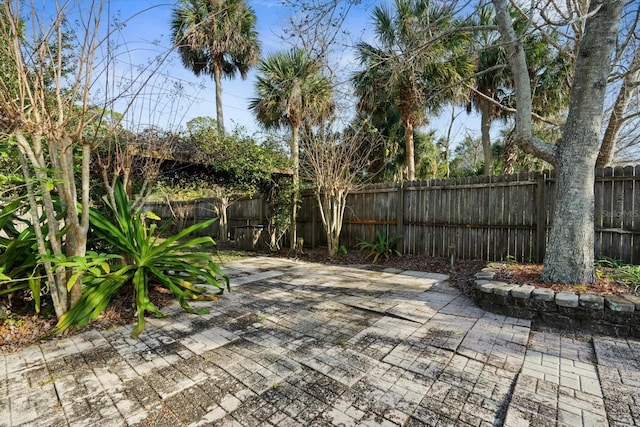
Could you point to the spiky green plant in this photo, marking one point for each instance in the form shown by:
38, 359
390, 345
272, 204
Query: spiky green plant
631, 274
382, 246
147, 258
19, 269
628, 273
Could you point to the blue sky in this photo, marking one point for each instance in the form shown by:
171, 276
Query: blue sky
148, 33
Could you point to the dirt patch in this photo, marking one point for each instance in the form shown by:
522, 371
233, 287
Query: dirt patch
20, 327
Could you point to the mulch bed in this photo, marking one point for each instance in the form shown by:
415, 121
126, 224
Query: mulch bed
22, 328
529, 274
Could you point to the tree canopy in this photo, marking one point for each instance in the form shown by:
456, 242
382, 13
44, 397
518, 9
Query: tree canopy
216, 38
415, 65
292, 91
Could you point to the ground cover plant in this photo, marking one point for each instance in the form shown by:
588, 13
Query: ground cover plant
628, 274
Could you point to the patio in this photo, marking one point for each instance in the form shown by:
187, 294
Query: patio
309, 344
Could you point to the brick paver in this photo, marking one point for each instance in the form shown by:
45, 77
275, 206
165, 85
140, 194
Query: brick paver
299, 344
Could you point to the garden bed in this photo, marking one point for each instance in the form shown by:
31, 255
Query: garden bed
610, 306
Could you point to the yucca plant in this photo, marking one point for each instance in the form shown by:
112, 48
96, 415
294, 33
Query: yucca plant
146, 259
382, 246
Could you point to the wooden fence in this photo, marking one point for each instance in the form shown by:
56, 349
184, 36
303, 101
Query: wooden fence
490, 218
178, 215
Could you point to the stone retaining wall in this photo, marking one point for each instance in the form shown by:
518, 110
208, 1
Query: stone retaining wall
617, 315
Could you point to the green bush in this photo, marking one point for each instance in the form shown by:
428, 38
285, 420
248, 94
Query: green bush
19, 269
145, 258
382, 246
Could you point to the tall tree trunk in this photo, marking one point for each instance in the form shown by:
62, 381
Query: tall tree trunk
409, 150
76, 222
327, 204
485, 130
332, 204
628, 88
222, 203
217, 76
58, 293
523, 132
569, 257
447, 152
295, 191
37, 189
509, 155
76, 246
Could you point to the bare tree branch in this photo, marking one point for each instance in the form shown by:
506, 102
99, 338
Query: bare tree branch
336, 164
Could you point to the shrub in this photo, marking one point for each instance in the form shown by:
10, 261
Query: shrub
144, 257
19, 270
382, 246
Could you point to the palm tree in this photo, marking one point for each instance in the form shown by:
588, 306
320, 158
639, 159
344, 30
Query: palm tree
494, 83
216, 38
490, 79
415, 65
291, 91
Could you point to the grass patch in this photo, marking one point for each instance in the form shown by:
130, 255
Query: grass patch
232, 255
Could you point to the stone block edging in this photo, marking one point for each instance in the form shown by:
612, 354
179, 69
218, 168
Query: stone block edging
617, 315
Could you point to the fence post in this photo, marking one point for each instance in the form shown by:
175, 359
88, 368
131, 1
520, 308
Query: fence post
264, 210
541, 218
400, 215
314, 223
196, 208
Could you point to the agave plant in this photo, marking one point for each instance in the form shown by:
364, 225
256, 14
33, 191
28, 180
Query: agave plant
145, 258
